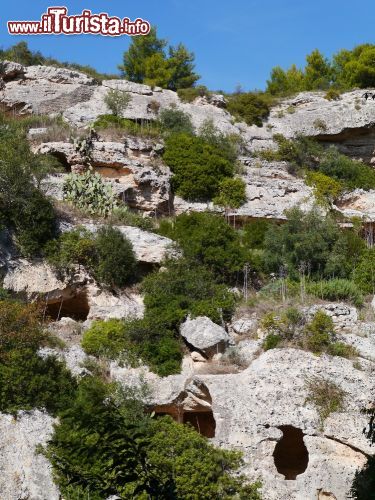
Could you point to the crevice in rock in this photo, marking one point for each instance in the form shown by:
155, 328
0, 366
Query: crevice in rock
290, 455
76, 307
354, 448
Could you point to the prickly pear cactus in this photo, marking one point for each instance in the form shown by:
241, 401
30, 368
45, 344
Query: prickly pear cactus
90, 193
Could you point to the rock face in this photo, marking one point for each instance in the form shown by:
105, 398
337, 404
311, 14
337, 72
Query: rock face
251, 408
270, 190
205, 335
24, 473
128, 166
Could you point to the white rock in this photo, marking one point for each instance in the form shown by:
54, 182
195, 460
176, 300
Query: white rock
205, 335
24, 472
343, 316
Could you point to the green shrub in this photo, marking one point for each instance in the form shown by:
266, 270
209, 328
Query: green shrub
27, 380
250, 107
336, 290
117, 101
271, 341
326, 189
364, 272
107, 254
325, 395
208, 240
23, 208
114, 263
332, 94
197, 165
105, 444
190, 94
231, 193
319, 332
105, 338
89, 193
184, 288
71, 248
175, 121
122, 215
351, 173
144, 129
253, 233
342, 350
311, 244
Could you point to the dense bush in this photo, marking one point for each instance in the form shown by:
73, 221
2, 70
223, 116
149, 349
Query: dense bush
27, 380
254, 232
336, 290
107, 254
319, 332
22, 207
106, 445
71, 248
364, 272
114, 263
175, 121
105, 338
190, 94
231, 193
208, 240
312, 245
183, 288
250, 107
197, 165
326, 189
149, 128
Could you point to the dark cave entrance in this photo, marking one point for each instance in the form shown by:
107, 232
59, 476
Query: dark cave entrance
76, 308
291, 456
202, 421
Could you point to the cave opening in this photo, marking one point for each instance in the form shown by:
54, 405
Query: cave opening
202, 421
76, 308
291, 456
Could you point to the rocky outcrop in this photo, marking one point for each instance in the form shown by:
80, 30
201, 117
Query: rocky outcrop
204, 335
271, 190
250, 408
346, 122
129, 167
44, 89
343, 316
25, 473
149, 248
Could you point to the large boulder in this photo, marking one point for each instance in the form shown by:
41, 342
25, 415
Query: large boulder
25, 473
204, 335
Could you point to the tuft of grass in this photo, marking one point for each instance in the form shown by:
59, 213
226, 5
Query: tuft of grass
326, 396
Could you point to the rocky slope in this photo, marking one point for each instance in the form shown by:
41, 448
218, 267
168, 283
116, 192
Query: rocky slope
264, 397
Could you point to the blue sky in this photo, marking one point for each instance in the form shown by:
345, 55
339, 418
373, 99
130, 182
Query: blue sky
234, 41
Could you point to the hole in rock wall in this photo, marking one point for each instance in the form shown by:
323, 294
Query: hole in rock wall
291, 456
203, 422
76, 308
